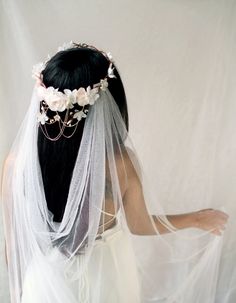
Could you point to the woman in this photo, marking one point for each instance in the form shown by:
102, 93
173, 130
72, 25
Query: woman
74, 198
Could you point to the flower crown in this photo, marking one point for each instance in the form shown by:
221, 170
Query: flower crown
58, 101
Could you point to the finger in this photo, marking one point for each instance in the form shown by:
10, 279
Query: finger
222, 221
222, 227
225, 218
220, 218
222, 214
219, 225
216, 232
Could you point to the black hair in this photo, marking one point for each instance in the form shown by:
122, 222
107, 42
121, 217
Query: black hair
71, 69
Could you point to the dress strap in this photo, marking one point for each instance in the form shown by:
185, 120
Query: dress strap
112, 230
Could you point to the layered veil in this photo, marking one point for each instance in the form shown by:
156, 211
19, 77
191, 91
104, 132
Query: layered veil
79, 259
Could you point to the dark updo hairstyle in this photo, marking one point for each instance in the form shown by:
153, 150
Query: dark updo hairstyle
70, 69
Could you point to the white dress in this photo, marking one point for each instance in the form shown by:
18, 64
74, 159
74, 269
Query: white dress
112, 263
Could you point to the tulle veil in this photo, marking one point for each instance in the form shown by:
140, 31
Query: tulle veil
73, 261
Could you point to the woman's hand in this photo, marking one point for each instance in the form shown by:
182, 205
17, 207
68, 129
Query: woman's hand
210, 220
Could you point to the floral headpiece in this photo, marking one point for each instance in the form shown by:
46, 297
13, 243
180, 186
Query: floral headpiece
58, 101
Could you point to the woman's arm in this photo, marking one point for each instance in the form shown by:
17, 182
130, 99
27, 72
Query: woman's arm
8, 162
207, 219
140, 222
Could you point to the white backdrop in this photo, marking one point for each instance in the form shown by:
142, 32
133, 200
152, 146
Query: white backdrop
177, 61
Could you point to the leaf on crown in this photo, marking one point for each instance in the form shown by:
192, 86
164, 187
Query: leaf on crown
42, 117
79, 115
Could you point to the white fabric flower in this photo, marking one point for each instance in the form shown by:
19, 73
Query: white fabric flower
37, 69
92, 94
42, 117
110, 56
71, 97
41, 91
104, 84
79, 115
56, 100
82, 97
65, 46
48, 58
111, 71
